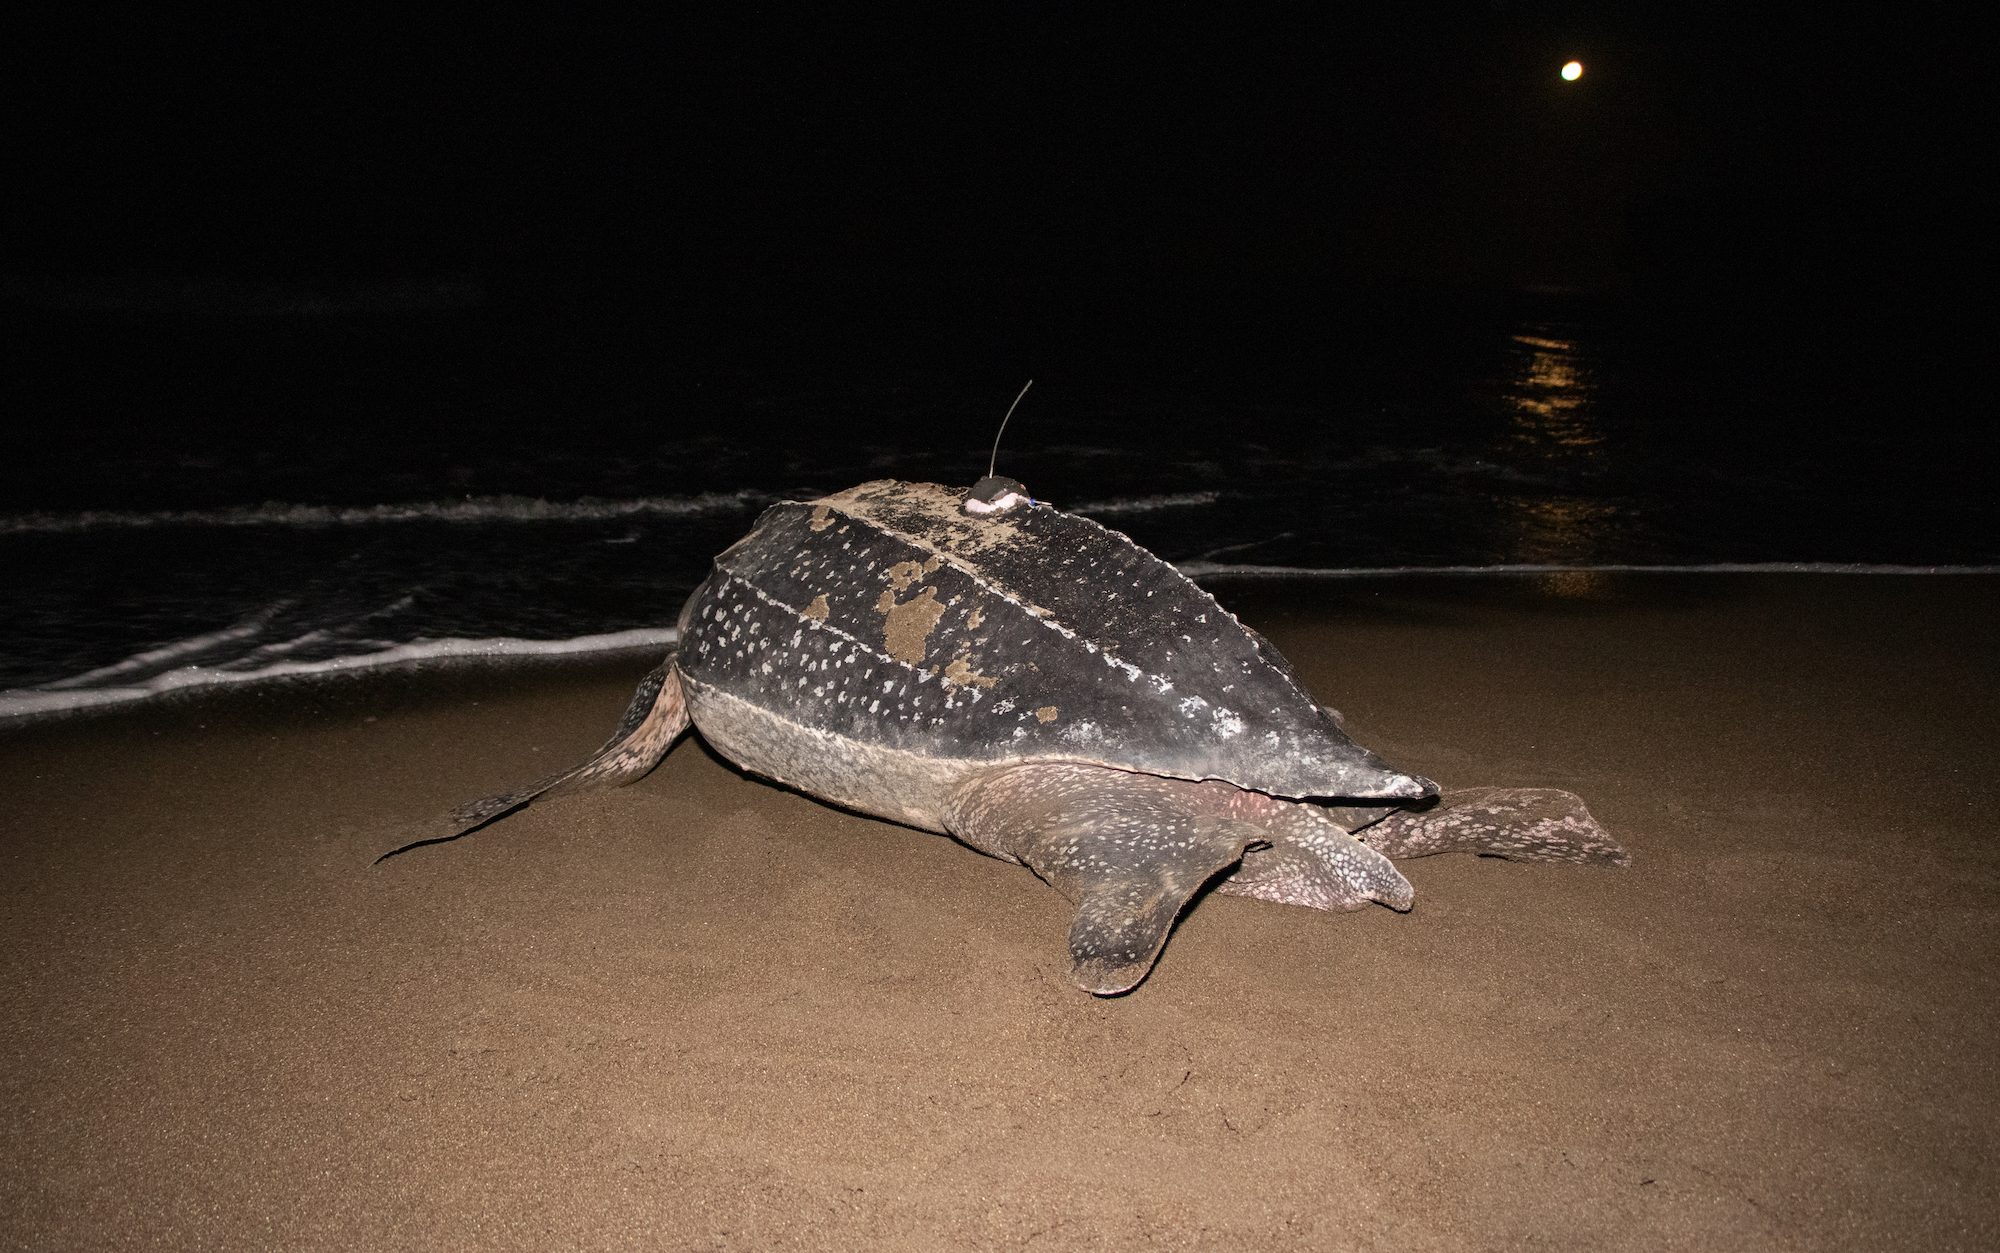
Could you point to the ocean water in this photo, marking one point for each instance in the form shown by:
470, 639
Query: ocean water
225, 499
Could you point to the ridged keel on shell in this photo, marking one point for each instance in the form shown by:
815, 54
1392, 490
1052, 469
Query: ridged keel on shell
886, 618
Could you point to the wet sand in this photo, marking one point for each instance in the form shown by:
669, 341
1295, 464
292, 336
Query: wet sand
702, 1012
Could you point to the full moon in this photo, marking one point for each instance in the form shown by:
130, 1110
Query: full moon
1572, 71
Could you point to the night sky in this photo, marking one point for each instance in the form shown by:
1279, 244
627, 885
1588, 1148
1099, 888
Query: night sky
1019, 153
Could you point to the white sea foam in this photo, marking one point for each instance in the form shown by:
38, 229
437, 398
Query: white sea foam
153, 658
474, 509
483, 509
1145, 504
65, 696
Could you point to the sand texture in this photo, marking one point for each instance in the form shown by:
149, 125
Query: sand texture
702, 1012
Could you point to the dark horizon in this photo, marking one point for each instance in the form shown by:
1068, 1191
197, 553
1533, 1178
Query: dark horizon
440, 242
1697, 154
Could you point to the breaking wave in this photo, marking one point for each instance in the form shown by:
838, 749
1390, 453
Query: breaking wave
154, 673
481, 509
1145, 504
484, 509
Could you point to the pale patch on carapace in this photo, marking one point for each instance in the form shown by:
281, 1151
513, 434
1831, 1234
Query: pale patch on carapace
974, 618
904, 573
819, 609
906, 631
1047, 713
953, 537
961, 671
822, 517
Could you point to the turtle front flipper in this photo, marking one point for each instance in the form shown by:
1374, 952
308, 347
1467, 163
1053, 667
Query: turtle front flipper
652, 722
1130, 850
1310, 859
1129, 883
1521, 824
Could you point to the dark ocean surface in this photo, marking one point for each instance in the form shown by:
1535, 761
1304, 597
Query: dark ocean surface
216, 483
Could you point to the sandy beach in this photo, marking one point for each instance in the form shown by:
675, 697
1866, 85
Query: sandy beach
703, 1012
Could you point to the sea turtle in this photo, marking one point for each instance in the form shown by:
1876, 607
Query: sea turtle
1038, 686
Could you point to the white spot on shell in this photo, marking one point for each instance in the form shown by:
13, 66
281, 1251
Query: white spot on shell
1081, 733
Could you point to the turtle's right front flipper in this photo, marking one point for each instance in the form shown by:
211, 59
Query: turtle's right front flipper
653, 721
1128, 850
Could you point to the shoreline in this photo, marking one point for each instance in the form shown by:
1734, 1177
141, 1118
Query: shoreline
67, 699
706, 1012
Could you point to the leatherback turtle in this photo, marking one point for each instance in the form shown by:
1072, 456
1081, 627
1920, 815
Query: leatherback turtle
1040, 687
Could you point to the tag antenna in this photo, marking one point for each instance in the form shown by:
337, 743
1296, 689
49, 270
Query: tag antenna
994, 460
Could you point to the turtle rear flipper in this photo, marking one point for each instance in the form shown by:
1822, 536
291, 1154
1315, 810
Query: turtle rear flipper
1518, 823
1130, 850
652, 722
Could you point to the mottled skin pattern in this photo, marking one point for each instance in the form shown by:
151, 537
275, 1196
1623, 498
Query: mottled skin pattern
1047, 692
1518, 823
1129, 850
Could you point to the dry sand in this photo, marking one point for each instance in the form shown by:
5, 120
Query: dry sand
702, 1012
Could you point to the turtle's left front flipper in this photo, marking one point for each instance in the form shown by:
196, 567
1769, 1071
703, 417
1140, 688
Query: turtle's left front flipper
653, 721
1522, 824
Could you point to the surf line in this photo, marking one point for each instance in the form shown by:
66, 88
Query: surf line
472, 510
57, 698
